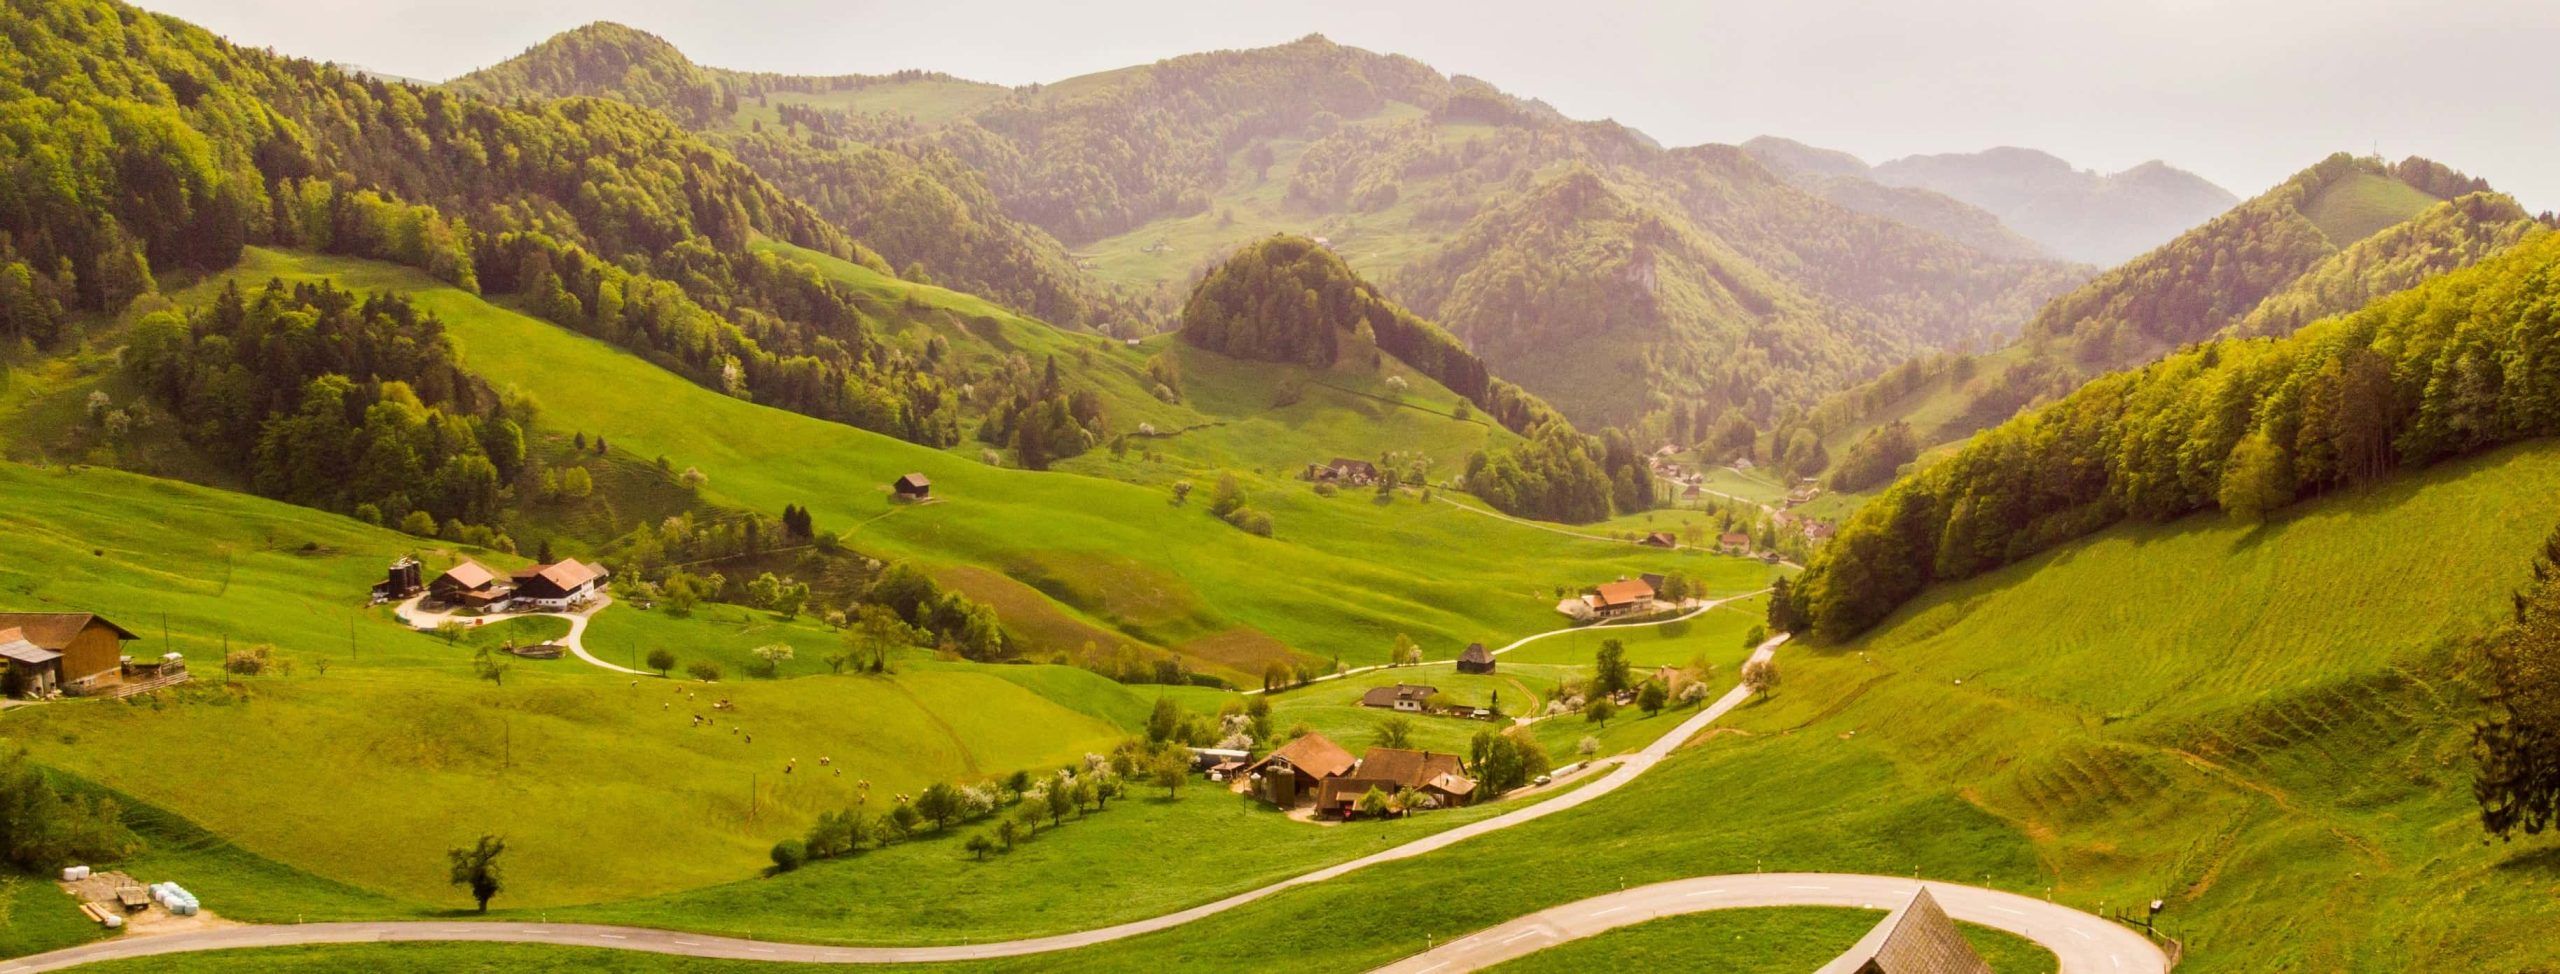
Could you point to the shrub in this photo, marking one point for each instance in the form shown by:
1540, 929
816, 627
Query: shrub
789, 854
703, 670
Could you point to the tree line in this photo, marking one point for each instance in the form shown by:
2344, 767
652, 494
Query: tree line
2468, 360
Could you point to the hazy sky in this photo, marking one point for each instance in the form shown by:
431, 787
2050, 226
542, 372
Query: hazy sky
2241, 91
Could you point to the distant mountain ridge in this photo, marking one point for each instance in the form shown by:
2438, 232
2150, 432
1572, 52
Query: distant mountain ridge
2078, 214
1156, 172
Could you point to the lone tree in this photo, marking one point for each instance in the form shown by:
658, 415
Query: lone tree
1599, 710
662, 660
2518, 745
477, 868
1170, 771
1652, 697
1609, 669
1760, 676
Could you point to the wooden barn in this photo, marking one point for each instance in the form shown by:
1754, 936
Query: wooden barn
914, 487
1476, 659
470, 585
61, 652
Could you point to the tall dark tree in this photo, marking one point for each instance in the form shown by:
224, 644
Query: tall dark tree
2518, 744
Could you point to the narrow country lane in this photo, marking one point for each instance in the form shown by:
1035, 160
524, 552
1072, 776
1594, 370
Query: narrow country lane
418, 618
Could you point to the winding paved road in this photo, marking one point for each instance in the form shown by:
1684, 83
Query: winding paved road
2086, 944
1629, 768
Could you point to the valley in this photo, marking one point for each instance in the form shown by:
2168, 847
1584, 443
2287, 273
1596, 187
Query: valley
1279, 507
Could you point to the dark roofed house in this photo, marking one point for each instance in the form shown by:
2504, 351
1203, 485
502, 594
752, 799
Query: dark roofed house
1654, 579
471, 585
66, 652
914, 486
1476, 659
1661, 539
1297, 768
1407, 697
559, 584
1917, 939
1821, 530
1353, 471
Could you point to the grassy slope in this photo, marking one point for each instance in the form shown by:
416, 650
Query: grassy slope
1343, 574
2255, 724
399, 741
1777, 940
2362, 204
2304, 809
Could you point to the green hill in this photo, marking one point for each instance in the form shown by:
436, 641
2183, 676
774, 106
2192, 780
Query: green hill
2243, 425
2266, 268
1089, 559
2290, 783
566, 759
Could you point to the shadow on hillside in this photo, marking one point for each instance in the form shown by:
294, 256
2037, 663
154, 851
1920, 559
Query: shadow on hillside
2543, 862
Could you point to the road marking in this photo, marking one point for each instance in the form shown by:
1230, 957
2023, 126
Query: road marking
1524, 935
1705, 892
1614, 909
613, 936
688, 943
2082, 934
1434, 967
2116, 961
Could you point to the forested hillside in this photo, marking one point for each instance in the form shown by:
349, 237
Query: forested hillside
151, 146
916, 203
2326, 241
2459, 363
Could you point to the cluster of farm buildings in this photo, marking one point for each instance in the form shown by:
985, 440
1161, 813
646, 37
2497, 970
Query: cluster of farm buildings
555, 587
1316, 773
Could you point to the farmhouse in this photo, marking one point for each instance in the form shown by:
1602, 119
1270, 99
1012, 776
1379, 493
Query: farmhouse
1819, 531
1358, 473
471, 585
914, 487
1660, 539
1440, 778
560, 584
1476, 659
1917, 939
1733, 543
1296, 768
61, 652
1407, 697
1620, 597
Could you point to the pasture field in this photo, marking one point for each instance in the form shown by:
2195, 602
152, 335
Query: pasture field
368, 748
2363, 204
1340, 574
